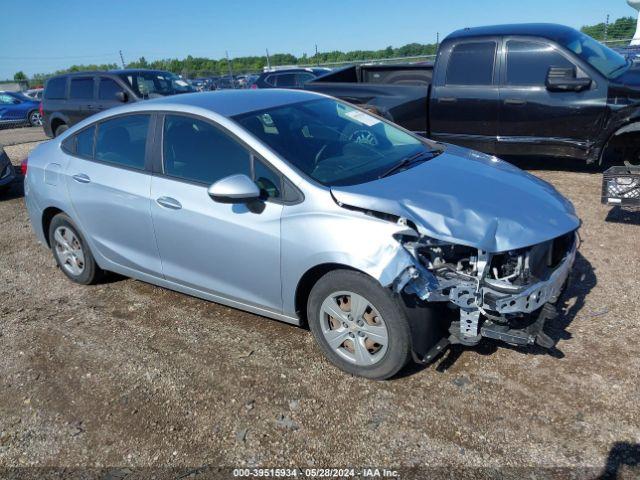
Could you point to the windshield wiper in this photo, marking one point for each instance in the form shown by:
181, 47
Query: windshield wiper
411, 159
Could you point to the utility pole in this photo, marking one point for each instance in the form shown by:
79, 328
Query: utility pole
317, 58
606, 29
122, 59
268, 59
230, 70
437, 40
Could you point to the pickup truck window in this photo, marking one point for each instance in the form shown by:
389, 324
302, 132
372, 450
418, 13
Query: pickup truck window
472, 63
602, 58
528, 62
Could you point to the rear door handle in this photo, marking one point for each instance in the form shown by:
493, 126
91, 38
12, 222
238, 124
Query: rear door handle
81, 178
170, 203
515, 101
447, 100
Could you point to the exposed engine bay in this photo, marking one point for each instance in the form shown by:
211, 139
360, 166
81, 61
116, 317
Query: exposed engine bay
506, 296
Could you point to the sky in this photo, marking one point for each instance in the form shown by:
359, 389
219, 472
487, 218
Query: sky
44, 35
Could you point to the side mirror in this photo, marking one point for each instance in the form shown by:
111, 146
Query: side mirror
564, 80
121, 97
234, 189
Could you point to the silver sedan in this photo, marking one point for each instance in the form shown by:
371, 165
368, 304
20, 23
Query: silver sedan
305, 209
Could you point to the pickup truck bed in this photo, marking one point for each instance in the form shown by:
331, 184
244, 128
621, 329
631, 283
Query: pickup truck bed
397, 92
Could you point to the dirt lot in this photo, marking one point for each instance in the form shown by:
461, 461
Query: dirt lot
129, 375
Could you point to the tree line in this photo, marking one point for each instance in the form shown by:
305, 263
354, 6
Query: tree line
191, 67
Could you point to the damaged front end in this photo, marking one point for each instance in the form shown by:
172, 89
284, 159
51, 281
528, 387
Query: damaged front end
505, 296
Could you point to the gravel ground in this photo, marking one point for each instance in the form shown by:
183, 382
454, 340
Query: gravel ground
130, 375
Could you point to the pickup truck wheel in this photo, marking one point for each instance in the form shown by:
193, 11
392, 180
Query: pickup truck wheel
359, 325
61, 129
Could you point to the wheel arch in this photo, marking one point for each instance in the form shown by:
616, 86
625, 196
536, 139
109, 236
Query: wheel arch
47, 216
308, 280
631, 128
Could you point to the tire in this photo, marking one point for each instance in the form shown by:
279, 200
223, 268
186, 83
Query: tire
34, 118
61, 129
78, 267
367, 358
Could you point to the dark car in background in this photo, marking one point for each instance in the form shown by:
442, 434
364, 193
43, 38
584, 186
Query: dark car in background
512, 90
18, 109
289, 78
7, 172
72, 97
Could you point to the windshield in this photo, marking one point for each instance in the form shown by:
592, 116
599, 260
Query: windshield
154, 84
599, 56
332, 142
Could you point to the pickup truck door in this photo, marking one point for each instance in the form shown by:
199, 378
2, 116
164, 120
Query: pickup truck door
465, 96
534, 120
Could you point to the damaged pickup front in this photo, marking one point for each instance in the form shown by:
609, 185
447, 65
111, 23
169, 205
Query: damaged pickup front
505, 296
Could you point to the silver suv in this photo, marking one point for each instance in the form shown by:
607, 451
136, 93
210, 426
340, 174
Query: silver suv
298, 207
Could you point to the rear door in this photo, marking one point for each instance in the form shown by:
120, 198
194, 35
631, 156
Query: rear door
109, 187
81, 102
534, 120
465, 95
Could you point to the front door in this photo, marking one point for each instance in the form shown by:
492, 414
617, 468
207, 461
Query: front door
109, 189
464, 101
534, 120
225, 249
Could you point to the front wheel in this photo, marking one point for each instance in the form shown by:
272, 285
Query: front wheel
359, 325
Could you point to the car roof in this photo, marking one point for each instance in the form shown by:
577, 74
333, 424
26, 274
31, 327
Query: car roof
109, 72
551, 31
229, 103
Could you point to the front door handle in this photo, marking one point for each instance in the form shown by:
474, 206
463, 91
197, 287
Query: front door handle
170, 203
447, 100
515, 101
81, 178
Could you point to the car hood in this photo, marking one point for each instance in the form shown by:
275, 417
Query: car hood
469, 198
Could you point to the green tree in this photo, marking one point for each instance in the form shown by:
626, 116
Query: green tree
20, 76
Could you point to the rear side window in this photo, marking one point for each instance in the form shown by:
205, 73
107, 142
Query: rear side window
84, 142
81, 88
107, 89
528, 63
56, 88
121, 141
472, 64
286, 80
197, 151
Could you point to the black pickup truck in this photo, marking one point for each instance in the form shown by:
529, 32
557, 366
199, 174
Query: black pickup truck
531, 89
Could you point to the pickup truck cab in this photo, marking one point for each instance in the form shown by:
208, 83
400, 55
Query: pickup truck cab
531, 89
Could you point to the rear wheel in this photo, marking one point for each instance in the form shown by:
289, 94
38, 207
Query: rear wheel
359, 325
71, 252
35, 119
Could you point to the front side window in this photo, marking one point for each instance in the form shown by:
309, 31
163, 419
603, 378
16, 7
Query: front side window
56, 88
472, 64
197, 151
121, 141
156, 84
528, 63
332, 142
108, 89
81, 88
